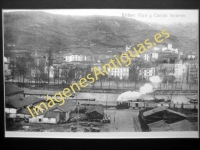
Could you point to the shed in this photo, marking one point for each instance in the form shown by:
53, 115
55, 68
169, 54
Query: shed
183, 125
51, 117
162, 113
159, 126
96, 112
37, 119
64, 110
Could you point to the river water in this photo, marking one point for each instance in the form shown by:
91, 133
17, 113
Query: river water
111, 98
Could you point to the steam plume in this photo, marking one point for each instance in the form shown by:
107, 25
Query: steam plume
145, 89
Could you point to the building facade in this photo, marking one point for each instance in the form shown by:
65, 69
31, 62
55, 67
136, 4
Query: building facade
121, 72
146, 73
180, 72
192, 73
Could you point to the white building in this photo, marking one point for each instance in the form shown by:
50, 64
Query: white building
154, 55
121, 72
146, 57
74, 57
170, 49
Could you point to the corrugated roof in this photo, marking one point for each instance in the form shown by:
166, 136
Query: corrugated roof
152, 111
51, 114
183, 125
17, 101
66, 107
175, 112
159, 126
162, 108
11, 88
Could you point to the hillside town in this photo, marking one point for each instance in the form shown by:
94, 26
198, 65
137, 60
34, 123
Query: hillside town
176, 72
157, 92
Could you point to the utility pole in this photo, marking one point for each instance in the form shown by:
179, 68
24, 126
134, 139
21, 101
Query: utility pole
168, 72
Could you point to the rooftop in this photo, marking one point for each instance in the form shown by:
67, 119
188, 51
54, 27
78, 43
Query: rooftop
159, 109
11, 89
18, 101
66, 107
98, 109
159, 126
183, 125
51, 114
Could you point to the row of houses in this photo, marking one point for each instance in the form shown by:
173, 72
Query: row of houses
181, 71
16, 107
16, 104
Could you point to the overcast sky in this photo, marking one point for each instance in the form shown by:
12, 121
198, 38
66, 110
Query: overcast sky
147, 15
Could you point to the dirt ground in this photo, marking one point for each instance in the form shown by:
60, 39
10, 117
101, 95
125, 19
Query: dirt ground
125, 120
121, 121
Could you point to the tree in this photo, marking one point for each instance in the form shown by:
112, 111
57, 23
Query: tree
117, 81
135, 66
23, 65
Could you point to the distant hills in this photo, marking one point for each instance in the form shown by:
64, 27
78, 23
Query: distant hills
42, 31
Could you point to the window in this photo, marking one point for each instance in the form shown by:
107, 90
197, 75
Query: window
39, 120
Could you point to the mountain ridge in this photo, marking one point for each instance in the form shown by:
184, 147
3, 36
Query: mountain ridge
41, 30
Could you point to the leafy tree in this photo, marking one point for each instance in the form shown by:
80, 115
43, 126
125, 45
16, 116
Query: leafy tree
134, 69
23, 65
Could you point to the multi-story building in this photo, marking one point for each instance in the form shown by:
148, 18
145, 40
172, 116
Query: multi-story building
192, 73
146, 57
121, 72
77, 57
180, 72
154, 55
74, 57
167, 68
147, 72
170, 49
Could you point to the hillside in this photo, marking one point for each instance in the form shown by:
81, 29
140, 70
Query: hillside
41, 30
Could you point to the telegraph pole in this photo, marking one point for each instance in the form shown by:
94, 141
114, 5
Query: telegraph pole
168, 73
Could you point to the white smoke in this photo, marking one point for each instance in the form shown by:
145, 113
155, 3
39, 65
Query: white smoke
155, 79
129, 96
145, 89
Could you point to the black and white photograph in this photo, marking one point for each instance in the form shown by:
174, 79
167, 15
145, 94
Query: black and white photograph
119, 72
